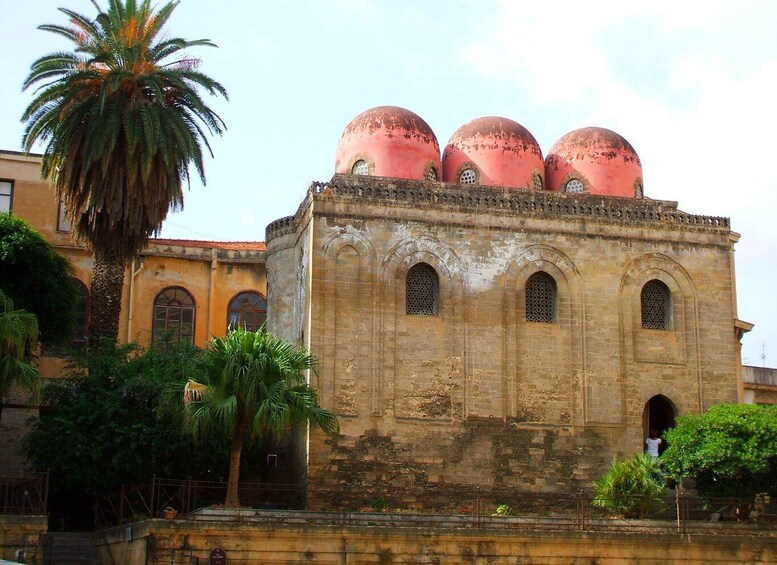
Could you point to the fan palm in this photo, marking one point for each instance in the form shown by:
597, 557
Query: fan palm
18, 337
256, 390
122, 119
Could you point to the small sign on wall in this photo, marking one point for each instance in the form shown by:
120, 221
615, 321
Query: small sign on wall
218, 557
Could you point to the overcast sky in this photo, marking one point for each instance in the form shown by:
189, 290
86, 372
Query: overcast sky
691, 84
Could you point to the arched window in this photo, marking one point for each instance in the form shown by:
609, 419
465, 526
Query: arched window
536, 180
468, 176
431, 173
541, 298
656, 306
360, 167
247, 311
574, 186
81, 325
423, 290
174, 314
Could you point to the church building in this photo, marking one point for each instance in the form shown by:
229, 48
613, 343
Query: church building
489, 318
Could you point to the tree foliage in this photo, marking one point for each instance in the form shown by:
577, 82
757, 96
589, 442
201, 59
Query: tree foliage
110, 423
631, 487
255, 391
37, 278
18, 337
122, 119
730, 450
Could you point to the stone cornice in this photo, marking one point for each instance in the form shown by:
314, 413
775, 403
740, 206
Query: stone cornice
501, 201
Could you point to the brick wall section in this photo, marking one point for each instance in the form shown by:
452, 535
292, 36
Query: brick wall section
477, 395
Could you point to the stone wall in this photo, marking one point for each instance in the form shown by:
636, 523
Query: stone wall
478, 396
22, 534
158, 541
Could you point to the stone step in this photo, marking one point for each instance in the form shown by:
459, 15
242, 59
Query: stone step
71, 548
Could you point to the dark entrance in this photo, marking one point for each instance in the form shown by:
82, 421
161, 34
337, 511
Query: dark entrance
659, 415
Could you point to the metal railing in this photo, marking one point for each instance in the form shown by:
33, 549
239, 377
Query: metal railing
462, 508
24, 495
172, 498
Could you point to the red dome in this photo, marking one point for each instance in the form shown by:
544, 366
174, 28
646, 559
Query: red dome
388, 141
501, 152
595, 160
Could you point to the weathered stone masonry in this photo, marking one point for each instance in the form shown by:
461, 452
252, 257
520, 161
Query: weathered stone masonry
476, 395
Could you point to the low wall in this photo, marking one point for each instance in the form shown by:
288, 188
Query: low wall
22, 533
273, 540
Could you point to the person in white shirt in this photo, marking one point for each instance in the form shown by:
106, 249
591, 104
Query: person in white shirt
652, 443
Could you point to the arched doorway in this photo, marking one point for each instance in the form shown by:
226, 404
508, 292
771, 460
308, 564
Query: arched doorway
659, 414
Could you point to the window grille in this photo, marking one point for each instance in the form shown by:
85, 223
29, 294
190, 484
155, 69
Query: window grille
247, 311
431, 173
656, 307
541, 298
174, 315
575, 186
423, 290
360, 167
468, 176
537, 181
638, 190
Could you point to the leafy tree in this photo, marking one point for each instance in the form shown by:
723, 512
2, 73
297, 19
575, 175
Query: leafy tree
109, 424
18, 336
256, 390
631, 487
37, 279
123, 120
730, 450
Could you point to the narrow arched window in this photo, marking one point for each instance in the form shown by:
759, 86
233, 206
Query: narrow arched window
656, 306
247, 311
81, 325
541, 298
536, 180
423, 290
174, 315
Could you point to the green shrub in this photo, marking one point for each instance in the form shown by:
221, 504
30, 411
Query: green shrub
631, 487
729, 451
379, 504
503, 510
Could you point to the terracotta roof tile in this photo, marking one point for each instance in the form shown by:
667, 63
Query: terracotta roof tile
229, 245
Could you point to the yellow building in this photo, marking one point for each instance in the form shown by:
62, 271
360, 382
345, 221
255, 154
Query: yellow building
193, 289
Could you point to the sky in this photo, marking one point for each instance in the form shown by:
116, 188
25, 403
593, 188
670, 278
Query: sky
691, 84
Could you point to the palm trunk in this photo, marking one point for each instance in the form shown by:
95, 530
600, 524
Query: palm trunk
232, 500
106, 290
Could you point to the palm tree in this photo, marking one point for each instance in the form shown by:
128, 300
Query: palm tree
18, 337
256, 390
123, 119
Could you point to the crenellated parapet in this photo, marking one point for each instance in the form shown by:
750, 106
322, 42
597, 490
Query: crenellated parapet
507, 201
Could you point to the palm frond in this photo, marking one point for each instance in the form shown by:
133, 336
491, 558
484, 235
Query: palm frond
121, 124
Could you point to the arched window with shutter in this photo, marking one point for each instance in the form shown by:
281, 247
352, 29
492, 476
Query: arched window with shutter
656, 306
423, 290
541, 298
